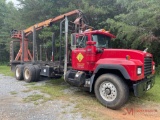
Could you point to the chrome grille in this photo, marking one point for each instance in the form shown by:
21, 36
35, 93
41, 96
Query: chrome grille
147, 66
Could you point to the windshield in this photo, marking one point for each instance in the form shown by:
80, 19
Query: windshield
101, 40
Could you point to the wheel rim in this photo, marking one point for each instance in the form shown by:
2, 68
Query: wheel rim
108, 91
17, 72
27, 74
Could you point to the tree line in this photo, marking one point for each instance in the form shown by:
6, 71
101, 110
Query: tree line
136, 23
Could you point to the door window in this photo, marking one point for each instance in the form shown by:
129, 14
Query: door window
81, 41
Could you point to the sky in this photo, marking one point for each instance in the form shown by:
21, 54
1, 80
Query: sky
14, 1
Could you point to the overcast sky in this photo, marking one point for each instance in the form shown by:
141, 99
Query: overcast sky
14, 1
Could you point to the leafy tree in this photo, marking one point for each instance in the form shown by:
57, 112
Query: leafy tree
139, 26
3, 33
8, 20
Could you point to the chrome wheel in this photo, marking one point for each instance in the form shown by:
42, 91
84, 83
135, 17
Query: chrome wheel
18, 72
27, 74
108, 91
111, 91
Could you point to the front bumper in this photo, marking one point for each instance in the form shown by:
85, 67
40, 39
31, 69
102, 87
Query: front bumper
144, 85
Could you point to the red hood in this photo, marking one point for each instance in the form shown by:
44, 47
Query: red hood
122, 53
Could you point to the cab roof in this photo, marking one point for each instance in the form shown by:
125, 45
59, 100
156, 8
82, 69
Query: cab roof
107, 33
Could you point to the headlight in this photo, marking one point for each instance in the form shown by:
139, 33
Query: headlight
139, 70
153, 67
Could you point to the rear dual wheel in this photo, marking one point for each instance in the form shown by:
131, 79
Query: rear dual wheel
31, 73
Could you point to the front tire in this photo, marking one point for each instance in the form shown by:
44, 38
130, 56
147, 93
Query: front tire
111, 91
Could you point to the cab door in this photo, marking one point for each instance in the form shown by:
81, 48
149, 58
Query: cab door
79, 52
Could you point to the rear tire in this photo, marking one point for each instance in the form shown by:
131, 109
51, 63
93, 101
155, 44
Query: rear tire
37, 74
19, 72
111, 91
29, 73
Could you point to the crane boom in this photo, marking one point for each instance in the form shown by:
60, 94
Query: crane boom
18, 34
45, 23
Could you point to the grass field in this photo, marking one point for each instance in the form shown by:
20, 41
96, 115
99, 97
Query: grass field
5, 70
85, 101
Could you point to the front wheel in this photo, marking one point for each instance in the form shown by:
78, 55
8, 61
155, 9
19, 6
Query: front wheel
111, 91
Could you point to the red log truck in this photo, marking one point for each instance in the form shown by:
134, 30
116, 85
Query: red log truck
89, 62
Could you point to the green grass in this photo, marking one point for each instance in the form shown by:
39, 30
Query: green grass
5, 70
88, 105
150, 96
53, 87
26, 91
34, 98
31, 84
13, 92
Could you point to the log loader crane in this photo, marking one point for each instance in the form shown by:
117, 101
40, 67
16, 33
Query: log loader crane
92, 63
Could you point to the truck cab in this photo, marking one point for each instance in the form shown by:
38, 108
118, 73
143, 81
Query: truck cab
88, 47
110, 73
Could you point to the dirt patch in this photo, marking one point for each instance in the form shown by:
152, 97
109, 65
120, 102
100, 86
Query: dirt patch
147, 111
